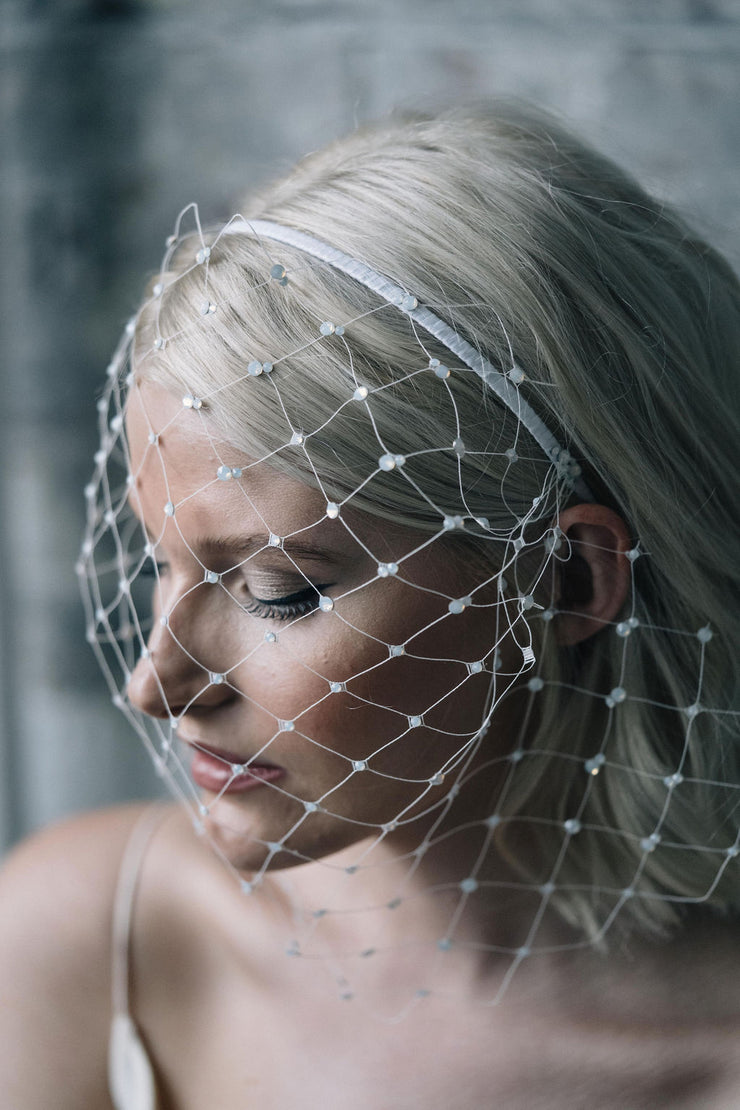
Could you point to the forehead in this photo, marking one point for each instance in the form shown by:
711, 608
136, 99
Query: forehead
177, 457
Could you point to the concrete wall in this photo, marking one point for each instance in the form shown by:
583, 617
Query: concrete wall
116, 114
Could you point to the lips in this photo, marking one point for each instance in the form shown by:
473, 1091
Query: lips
211, 769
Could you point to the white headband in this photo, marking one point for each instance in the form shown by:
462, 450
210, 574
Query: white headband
505, 386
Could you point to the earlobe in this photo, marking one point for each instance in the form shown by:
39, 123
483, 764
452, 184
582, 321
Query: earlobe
596, 577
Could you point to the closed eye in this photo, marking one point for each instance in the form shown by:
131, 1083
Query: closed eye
285, 608
153, 569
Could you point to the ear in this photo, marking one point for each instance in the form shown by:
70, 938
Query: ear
596, 578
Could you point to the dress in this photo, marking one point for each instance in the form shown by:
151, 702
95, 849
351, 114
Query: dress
131, 1079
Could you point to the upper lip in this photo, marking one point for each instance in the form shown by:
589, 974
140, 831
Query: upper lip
228, 757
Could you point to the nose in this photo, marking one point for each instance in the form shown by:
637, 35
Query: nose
172, 674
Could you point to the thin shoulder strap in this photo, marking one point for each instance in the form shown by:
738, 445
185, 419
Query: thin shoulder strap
123, 905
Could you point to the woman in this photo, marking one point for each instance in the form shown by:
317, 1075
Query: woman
430, 458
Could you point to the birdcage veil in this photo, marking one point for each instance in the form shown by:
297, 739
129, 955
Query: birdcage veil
450, 331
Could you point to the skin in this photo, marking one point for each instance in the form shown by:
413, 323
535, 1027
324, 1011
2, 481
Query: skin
222, 629
229, 1022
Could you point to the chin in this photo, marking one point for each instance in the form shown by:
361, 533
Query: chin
242, 838
235, 844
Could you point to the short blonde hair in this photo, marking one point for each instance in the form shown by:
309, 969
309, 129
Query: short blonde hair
529, 242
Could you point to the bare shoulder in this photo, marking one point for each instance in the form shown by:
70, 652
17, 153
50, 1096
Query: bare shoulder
664, 1016
56, 898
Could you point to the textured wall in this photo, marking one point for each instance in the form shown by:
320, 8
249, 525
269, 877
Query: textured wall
116, 114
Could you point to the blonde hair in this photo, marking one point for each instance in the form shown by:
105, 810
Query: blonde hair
628, 325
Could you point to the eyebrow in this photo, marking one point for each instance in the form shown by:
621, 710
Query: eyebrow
245, 546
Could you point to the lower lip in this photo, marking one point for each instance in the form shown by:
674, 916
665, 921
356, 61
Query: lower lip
213, 774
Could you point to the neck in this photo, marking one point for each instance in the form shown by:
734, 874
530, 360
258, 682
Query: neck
409, 900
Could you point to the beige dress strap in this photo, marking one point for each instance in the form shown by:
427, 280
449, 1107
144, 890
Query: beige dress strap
130, 1073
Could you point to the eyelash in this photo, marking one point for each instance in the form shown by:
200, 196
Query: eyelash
285, 608
293, 605
150, 569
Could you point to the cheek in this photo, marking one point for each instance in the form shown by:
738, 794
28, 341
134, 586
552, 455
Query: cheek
382, 696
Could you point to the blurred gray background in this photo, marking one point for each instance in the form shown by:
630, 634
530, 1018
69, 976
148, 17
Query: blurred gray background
116, 113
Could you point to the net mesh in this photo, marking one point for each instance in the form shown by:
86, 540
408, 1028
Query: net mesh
338, 647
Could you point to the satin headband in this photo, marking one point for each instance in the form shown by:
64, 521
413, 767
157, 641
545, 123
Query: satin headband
504, 385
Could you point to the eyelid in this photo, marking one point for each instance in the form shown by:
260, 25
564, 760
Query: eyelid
287, 599
288, 607
153, 568
297, 604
